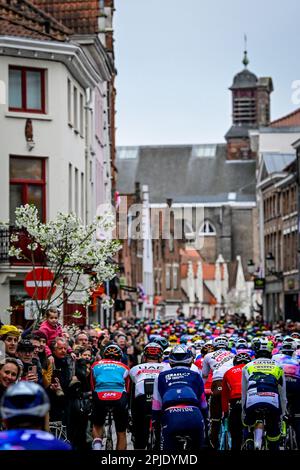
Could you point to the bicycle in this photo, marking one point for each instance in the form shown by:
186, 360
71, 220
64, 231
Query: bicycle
224, 436
288, 436
108, 432
59, 430
184, 442
258, 440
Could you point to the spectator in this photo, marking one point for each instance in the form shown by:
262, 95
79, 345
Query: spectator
25, 351
10, 335
82, 339
44, 361
9, 374
63, 371
51, 328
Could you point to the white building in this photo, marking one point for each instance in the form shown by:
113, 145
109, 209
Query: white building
55, 142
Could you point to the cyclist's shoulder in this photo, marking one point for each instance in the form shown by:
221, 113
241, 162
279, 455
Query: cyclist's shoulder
28, 439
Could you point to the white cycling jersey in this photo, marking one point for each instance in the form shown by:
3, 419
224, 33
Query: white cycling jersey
142, 372
218, 362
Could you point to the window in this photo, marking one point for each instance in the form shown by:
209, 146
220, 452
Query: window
69, 102
70, 188
27, 185
82, 197
75, 107
168, 277
76, 190
26, 89
207, 229
175, 276
81, 115
171, 243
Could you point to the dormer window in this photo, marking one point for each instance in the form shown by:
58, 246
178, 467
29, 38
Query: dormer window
207, 229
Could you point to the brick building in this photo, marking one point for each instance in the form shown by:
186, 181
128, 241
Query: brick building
211, 179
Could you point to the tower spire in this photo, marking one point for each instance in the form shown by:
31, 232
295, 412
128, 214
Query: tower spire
245, 59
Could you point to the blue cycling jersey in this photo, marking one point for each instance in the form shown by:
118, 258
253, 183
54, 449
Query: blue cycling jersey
176, 386
30, 439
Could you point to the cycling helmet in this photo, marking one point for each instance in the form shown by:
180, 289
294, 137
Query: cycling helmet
288, 348
24, 399
166, 352
207, 348
241, 342
196, 338
295, 335
153, 351
112, 351
180, 355
220, 342
254, 342
241, 358
161, 341
288, 339
199, 343
264, 348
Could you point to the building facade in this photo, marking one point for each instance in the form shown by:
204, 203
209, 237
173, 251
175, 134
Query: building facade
56, 138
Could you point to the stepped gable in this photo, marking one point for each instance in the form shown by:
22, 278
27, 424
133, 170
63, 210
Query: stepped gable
22, 18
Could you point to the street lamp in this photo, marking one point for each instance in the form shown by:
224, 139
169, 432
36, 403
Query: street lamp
270, 264
251, 267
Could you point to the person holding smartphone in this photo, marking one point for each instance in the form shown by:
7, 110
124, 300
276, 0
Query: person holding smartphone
25, 354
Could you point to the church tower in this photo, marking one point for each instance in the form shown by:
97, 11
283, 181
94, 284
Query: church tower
250, 110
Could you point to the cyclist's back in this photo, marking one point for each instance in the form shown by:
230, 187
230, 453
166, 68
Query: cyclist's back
179, 402
110, 384
291, 368
143, 376
263, 392
30, 439
24, 407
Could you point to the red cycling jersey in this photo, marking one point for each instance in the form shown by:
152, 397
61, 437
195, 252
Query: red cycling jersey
231, 386
207, 385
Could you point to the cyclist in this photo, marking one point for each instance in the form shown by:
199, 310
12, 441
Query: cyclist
231, 398
163, 342
264, 392
207, 348
24, 407
218, 361
291, 368
110, 385
142, 377
179, 403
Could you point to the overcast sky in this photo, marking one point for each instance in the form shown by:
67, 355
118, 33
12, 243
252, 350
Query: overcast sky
176, 59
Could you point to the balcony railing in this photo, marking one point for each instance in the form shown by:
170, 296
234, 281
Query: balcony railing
4, 244
23, 242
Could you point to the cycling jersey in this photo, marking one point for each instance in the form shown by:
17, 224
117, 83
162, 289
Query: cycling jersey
30, 439
291, 368
263, 382
231, 386
207, 384
144, 372
109, 379
176, 386
219, 362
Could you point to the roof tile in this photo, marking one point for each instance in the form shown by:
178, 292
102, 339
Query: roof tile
23, 19
81, 16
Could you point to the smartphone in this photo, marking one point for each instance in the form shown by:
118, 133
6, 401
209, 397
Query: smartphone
56, 374
32, 370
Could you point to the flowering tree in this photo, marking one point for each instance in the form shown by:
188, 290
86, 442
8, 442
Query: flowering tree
78, 260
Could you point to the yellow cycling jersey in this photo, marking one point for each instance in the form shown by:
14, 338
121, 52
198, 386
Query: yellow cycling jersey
267, 366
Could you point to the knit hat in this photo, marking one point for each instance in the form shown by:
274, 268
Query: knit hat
9, 330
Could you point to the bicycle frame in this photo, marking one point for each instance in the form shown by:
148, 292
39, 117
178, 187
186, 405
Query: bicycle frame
108, 431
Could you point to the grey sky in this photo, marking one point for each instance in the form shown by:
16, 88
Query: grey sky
177, 58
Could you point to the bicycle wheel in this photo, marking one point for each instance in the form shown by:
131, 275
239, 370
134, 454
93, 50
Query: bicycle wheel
109, 441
